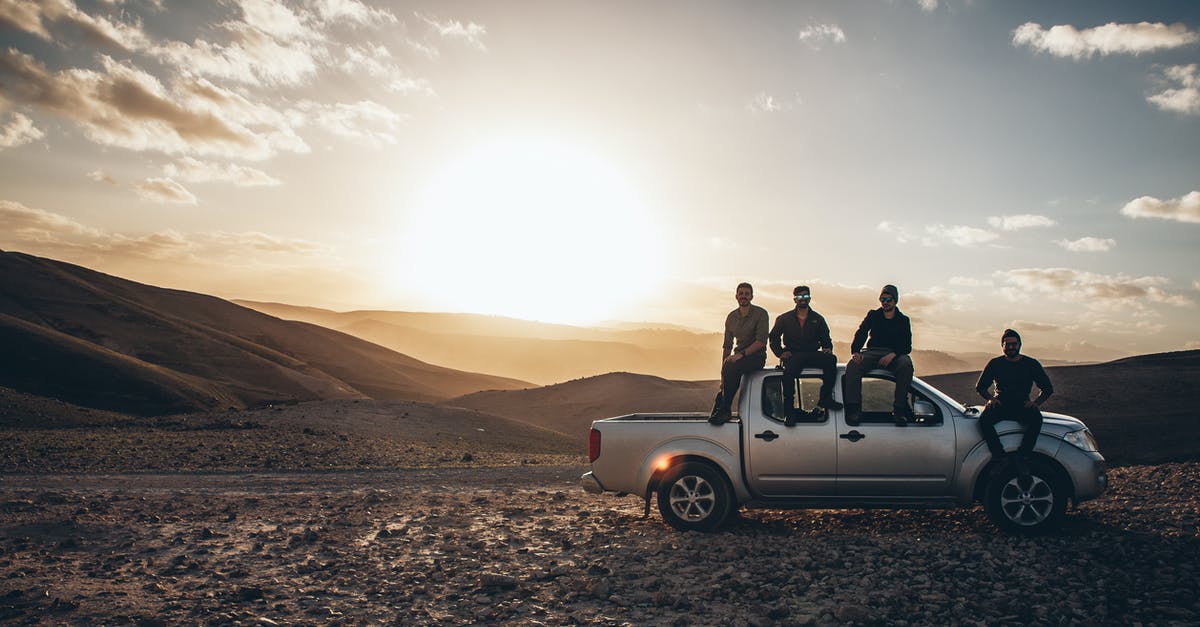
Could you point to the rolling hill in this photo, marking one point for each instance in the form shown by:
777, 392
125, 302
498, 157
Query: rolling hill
100, 341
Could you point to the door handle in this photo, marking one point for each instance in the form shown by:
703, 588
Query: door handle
853, 436
767, 435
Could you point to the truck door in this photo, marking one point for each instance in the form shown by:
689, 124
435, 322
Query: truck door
878, 458
786, 461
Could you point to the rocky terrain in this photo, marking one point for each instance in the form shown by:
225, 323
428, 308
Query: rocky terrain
523, 545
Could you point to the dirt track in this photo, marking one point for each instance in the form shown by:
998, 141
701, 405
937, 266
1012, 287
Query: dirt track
525, 545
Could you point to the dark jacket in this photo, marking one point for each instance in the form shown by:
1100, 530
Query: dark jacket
1015, 380
797, 339
894, 335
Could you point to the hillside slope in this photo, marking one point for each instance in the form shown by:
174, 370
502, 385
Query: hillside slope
101, 341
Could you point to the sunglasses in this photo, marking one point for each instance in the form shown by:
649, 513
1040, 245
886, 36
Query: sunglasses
886, 299
802, 297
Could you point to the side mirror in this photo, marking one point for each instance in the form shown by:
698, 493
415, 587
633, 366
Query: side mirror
924, 409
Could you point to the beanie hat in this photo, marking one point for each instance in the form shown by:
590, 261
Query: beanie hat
891, 289
1010, 333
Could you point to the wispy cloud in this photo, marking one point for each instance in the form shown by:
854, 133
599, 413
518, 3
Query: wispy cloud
38, 18
1185, 209
470, 33
762, 102
928, 5
196, 171
364, 122
817, 35
1018, 222
1181, 91
1065, 40
164, 190
1067, 284
18, 131
100, 176
958, 235
1087, 244
353, 12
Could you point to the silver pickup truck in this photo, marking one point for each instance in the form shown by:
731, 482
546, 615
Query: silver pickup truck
701, 472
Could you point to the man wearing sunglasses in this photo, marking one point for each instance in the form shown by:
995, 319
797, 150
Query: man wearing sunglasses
889, 344
801, 339
747, 326
1014, 375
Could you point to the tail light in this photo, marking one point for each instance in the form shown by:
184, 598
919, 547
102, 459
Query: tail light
593, 445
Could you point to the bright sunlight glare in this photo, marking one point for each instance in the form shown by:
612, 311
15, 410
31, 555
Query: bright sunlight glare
531, 228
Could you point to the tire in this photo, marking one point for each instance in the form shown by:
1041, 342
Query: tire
694, 496
1025, 506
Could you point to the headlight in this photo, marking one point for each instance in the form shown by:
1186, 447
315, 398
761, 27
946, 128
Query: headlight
1082, 439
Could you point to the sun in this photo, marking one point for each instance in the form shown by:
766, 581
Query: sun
534, 228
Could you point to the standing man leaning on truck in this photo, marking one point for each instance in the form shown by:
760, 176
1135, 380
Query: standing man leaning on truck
888, 347
801, 339
1014, 375
747, 325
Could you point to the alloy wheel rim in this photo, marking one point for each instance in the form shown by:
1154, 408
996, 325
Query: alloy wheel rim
692, 498
1027, 502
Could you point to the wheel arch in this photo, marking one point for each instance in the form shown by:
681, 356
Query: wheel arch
664, 467
1060, 475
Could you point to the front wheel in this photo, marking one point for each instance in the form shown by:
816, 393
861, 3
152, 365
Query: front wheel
694, 496
1026, 506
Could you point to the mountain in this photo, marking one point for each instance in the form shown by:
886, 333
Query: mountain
550, 353
1142, 409
569, 408
101, 341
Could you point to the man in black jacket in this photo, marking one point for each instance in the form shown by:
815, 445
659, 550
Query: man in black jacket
889, 345
1014, 375
801, 339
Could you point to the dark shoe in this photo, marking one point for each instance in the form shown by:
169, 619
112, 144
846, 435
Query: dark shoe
853, 415
789, 418
829, 403
720, 417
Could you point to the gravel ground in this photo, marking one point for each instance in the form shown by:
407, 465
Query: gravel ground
524, 545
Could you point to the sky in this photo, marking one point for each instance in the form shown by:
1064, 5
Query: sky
1022, 164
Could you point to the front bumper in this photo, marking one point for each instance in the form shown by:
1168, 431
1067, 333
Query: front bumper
590, 484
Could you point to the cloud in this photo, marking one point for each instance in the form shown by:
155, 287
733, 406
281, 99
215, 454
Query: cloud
1026, 325
1184, 95
45, 233
353, 12
1069, 285
1112, 38
37, 18
100, 176
1185, 209
964, 281
958, 235
471, 33
816, 35
928, 5
899, 232
1018, 222
18, 131
196, 171
164, 190
366, 121
126, 107
1192, 345
765, 103
253, 57
1087, 244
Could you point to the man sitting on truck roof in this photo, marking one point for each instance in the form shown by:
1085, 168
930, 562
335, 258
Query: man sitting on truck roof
888, 347
801, 339
748, 326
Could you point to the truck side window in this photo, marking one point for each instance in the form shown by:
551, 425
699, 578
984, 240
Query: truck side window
808, 392
877, 395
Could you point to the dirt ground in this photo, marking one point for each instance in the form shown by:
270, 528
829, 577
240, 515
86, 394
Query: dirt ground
524, 545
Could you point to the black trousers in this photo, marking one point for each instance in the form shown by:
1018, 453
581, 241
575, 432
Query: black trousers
1028, 417
731, 376
901, 366
794, 365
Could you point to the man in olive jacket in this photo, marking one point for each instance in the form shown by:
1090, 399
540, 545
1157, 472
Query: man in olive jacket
801, 339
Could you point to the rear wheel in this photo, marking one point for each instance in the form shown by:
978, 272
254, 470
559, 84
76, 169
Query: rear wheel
1028, 506
694, 496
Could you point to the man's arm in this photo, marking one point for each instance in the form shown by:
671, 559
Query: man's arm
1042, 380
775, 335
860, 336
985, 381
905, 339
760, 335
823, 339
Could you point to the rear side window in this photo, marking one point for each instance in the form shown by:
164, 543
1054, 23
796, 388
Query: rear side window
808, 392
877, 395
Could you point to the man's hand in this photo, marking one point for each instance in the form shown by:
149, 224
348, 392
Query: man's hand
856, 358
887, 359
786, 355
993, 402
1029, 404
733, 357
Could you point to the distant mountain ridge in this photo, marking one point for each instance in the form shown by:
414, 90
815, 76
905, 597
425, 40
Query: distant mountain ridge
101, 341
546, 353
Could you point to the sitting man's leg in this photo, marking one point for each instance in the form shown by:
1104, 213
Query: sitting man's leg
902, 367
791, 370
852, 391
987, 428
827, 362
1031, 419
